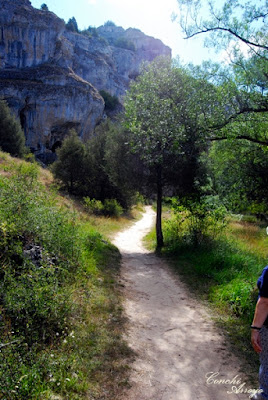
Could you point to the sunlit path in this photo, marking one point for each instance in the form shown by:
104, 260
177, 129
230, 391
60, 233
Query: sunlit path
177, 346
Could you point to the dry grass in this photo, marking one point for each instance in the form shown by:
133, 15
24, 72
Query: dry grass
252, 236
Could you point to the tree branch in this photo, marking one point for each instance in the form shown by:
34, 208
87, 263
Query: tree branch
7, 344
240, 137
233, 118
218, 28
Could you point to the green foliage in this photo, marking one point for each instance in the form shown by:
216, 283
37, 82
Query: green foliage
194, 223
109, 207
125, 43
167, 112
112, 208
110, 165
56, 297
240, 27
233, 21
36, 238
69, 167
72, 25
223, 268
239, 173
12, 138
226, 274
111, 102
93, 206
100, 169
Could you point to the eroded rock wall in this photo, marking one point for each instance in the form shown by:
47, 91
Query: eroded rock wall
51, 77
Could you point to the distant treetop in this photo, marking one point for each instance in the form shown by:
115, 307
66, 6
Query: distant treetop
109, 23
72, 25
44, 7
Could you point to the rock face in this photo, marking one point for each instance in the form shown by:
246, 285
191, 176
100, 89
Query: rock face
51, 77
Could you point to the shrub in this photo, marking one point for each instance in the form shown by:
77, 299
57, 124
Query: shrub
194, 223
109, 208
93, 206
112, 208
12, 138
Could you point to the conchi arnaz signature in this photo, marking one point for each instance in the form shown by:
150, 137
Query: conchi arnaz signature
236, 384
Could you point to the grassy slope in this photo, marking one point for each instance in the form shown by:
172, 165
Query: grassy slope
88, 358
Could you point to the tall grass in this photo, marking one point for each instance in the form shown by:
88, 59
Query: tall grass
60, 313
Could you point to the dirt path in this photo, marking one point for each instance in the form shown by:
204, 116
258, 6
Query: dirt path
180, 354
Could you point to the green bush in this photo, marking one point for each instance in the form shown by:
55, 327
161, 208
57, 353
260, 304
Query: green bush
194, 223
35, 239
109, 208
12, 138
93, 206
40, 253
112, 208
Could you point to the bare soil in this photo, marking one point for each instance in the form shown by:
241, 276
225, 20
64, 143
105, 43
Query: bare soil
180, 354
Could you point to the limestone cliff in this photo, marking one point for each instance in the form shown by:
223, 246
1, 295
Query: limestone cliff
51, 77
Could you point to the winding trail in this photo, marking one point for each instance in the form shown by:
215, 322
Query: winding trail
176, 344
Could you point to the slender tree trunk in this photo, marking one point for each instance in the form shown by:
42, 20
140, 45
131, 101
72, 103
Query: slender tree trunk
159, 233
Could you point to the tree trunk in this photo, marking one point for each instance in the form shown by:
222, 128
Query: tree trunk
159, 233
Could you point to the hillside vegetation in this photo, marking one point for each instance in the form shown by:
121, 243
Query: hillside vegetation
60, 311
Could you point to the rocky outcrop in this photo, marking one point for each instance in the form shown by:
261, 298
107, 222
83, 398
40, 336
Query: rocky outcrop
51, 77
53, 98
28, 36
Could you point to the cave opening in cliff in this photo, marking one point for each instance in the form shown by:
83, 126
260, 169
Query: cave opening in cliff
56, 145
22, 120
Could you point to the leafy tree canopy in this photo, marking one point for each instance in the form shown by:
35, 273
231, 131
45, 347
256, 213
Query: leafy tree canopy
240, 175
69, 167
240, 20
238, 27
167, 111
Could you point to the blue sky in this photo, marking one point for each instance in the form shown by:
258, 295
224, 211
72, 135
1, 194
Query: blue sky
153, 17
